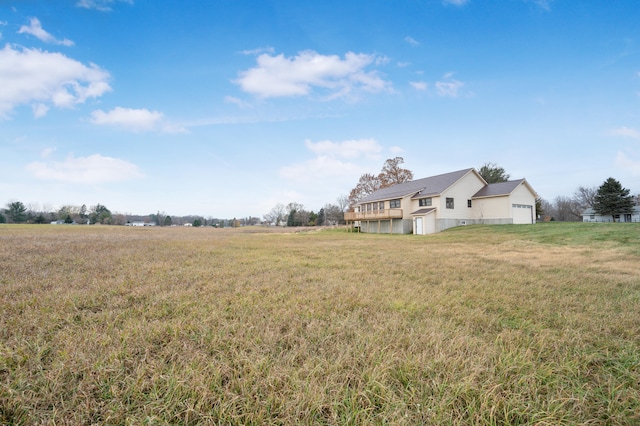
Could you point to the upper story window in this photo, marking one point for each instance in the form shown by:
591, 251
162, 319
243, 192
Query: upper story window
449, 203
469, 203
394, 204
424, 202
381, 205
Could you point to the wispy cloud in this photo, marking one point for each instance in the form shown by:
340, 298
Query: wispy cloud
279, 76
35, 29
93, 169
418, 85
542, 4
333, 160
236, 101
448, 86
626, 132
626, 162
135, 120
353, 148
455, 2
412, 41
100, 5
258, 51
32, 76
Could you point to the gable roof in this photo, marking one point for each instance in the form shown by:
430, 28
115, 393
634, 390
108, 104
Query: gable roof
502, 188
425, 187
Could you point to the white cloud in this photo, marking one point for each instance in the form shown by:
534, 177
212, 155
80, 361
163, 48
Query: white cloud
333, 160
236, 101
39, 110
278, 76
418, 85
89, 170
455, 2
47, 152
318, 168
258, 51
35, 29
40, 77
449, 86
412, 41
135, 120
625, 162
626, 132
542, 4
347, 149
101, 5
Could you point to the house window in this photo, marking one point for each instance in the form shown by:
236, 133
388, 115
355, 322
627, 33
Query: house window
449, 203
381, 205
469, 203
394, 204
424, 202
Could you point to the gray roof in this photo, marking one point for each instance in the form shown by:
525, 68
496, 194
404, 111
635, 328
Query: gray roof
500, 188
424, 211
425, 187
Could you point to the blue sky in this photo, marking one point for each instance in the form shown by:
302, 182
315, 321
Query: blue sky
225, 108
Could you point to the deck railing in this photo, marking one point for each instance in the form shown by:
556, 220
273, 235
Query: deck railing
374, 215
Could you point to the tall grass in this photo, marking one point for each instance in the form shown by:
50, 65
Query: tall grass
478, 325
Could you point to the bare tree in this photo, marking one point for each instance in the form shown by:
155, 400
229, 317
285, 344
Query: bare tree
343, 202
276, 215
565, 209
334, 214
584, 197
367, 184
390, 174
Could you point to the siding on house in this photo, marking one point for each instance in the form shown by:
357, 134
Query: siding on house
457, 198
590, 215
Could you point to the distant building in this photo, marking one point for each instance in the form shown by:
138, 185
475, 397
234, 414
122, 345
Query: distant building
590, 215
433, 204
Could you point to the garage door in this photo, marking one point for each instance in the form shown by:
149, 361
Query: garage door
522, 214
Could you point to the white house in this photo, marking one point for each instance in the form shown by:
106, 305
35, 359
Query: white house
590, 215
433, 204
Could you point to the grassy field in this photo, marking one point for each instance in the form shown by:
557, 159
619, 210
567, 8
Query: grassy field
478, 325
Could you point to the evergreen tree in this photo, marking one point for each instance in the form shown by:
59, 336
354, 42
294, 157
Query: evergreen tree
612, 199
491, 173
16, 211
321, 219
291, 219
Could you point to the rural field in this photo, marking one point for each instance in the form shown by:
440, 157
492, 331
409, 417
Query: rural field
479, 325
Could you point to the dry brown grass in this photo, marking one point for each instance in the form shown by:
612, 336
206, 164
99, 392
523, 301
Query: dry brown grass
486, 325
